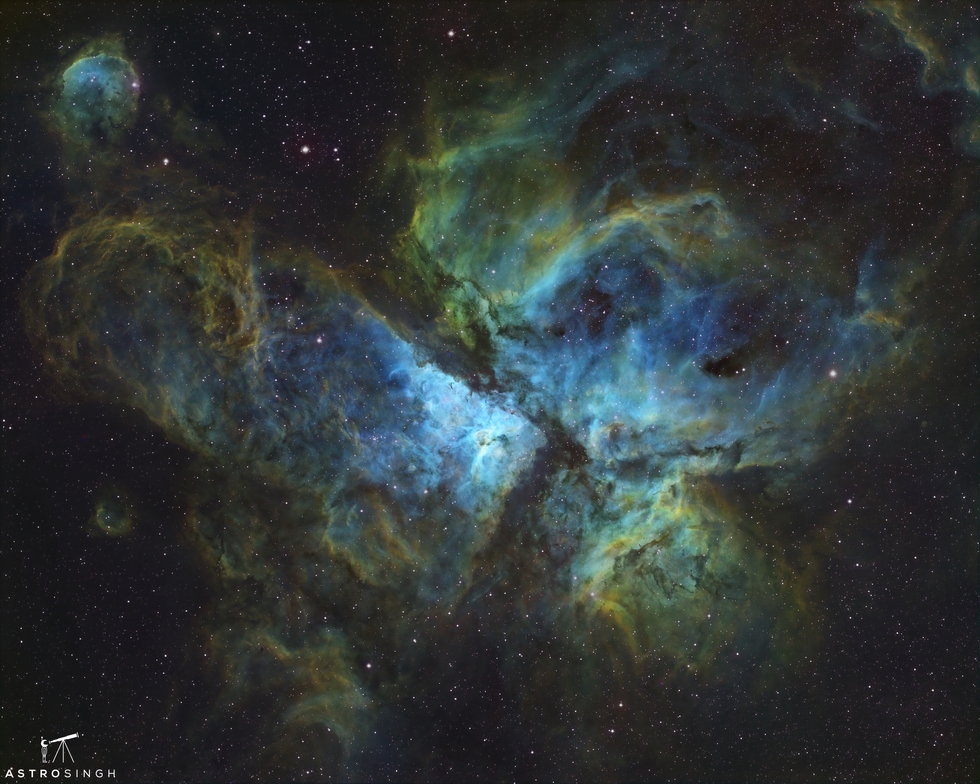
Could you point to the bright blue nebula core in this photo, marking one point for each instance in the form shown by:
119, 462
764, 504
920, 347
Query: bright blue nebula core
99, 98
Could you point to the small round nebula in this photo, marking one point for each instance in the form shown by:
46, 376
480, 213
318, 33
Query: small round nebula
99, 98
113, 515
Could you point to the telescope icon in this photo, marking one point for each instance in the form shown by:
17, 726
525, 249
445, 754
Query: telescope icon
62, 749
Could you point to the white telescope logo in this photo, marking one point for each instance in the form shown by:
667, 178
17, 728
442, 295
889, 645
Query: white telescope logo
62, 750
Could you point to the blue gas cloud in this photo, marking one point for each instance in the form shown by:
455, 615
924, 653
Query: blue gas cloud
98, 99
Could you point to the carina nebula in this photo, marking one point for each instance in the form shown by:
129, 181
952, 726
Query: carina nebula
612, 416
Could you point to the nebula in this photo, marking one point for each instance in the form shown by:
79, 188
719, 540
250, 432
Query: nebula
113, 515
98, 100
569, 442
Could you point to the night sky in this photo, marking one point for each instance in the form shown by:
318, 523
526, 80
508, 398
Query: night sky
581, 392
